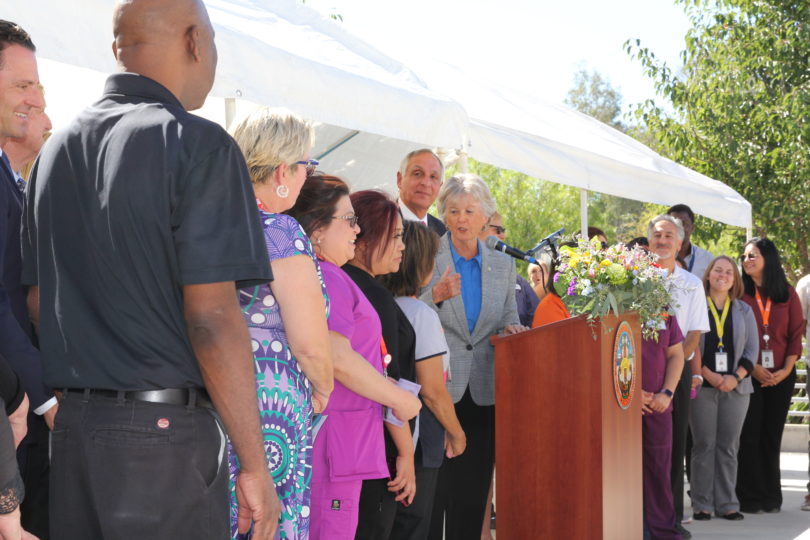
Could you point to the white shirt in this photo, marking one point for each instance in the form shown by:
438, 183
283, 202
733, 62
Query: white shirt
698, 261
688, 301
407, 214
803, 290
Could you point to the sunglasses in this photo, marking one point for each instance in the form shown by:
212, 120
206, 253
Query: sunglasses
310, 164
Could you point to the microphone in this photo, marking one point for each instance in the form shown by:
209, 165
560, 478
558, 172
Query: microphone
552, 238
497, 245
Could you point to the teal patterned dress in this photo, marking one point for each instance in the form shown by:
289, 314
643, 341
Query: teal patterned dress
283, 391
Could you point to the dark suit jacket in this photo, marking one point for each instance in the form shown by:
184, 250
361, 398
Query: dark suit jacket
15, 326
436, 225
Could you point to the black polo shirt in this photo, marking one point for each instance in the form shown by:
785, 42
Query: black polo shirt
134, 200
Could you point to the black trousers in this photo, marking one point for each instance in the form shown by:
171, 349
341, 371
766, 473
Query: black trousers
758, 475
133, 470
680, 427
32, 456
413, 522
463, 485
377, 509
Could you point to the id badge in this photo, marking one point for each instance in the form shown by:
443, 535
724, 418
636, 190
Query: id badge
767, 359
720, 362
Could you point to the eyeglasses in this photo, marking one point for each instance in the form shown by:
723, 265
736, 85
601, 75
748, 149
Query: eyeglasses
350, 218
310, 164
498, 229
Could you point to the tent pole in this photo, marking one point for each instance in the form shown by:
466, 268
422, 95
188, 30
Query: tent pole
230, 111
462, 162
583, 212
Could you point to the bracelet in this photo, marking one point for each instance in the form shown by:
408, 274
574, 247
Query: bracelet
666, 391
698, 377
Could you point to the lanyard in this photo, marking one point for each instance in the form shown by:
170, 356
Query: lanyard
261, 206
692, 257
386, 358
766, 316
764, 311
719, 322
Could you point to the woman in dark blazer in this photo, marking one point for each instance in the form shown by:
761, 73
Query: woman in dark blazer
485, 307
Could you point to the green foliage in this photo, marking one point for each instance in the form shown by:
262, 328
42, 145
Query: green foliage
593, 95
741, 107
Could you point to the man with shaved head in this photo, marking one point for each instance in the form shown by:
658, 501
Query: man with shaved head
139, 224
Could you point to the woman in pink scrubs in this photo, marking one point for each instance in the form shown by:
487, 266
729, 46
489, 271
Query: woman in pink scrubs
349, 446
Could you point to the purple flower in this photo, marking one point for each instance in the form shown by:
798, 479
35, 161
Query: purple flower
556, 277
572, 287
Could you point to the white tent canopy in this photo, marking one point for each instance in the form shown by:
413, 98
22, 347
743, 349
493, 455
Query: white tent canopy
370, 109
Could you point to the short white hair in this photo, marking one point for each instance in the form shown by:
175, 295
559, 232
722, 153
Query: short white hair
403, 166
466, 184
269, 137
665, 217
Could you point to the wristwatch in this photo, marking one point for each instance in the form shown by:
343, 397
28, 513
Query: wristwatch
667, 391
737, 376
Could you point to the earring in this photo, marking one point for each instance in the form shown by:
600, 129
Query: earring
283, 191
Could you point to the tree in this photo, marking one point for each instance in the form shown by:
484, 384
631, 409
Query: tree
593, 95
742, 110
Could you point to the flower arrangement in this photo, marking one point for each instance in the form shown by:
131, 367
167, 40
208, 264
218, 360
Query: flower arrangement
595, 281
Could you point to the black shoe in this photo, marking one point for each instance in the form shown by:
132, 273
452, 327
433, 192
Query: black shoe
701, 516
773, 510
732, 516
686, 535
750, 509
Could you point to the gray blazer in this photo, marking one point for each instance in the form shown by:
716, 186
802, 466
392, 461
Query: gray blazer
746, 340
472, 357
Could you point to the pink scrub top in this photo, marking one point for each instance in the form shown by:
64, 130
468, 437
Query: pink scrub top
350, 444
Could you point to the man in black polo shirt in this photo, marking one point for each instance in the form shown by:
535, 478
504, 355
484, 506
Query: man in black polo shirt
139, 218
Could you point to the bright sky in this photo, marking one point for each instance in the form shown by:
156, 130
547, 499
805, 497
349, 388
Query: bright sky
533, 45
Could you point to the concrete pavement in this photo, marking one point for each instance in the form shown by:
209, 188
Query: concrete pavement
789, 524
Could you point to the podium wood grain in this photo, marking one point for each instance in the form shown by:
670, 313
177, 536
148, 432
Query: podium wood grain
568, 457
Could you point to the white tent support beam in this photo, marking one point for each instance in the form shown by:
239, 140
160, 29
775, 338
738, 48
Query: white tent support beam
462, 162
338, 144
230, 112
583, 212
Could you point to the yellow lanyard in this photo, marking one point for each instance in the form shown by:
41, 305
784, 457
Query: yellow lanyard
719, 322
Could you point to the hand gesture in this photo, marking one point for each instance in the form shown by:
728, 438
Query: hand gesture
448, 286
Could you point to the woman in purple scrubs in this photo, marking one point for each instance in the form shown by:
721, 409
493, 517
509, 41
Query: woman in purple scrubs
349, 447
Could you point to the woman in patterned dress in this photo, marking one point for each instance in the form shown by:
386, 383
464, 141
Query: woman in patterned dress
286, 317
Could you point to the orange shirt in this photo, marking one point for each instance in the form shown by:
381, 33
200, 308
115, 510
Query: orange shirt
551, 309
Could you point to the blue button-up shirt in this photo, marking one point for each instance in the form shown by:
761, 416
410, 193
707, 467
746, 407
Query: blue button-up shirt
470, 271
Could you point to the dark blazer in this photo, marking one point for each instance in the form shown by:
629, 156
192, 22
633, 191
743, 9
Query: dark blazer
472, 357
15, 327
436, 225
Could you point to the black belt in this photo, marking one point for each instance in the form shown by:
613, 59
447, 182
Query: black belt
191, 397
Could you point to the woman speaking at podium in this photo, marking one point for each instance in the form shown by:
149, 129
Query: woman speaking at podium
473, 291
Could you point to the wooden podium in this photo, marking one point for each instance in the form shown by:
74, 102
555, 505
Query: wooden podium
568, 456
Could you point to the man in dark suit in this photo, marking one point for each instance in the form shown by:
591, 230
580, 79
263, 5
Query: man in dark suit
419, 178
20, 97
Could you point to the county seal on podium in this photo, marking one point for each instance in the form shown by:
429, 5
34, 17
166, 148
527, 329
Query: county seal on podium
624, 365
